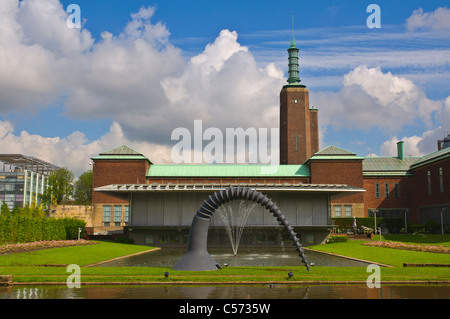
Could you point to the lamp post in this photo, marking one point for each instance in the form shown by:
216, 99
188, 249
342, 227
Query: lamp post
375, 211
406, 220
442, 220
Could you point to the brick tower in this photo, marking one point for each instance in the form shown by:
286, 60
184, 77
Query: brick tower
299, 131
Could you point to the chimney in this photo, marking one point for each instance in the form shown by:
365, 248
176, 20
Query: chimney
400, 150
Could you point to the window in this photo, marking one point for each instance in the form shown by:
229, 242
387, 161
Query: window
149, 239
429, 182
310, 238
386, 190
126, 215
117, 215
337, 211
396, 191
377, 190
106, 216
441, 180
348, 211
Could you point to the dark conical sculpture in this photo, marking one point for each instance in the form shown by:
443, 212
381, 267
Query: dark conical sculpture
197, 256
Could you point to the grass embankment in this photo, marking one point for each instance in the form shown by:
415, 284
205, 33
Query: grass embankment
21, 265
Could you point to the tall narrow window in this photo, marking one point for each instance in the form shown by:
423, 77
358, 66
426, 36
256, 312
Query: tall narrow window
377, 190
386, 190
337, 211
348, 211
126, 215
441, 180
106, 216
396, 191
429, 182
117, 215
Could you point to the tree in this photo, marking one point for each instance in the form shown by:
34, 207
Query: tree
4, 211
83, 189
59, 187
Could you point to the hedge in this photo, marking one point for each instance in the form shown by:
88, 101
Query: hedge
347, 222
337, 239
23, 229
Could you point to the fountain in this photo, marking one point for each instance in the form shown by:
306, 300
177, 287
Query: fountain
235, 220
197, 256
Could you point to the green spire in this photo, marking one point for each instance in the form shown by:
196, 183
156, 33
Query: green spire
293, 38
293, 59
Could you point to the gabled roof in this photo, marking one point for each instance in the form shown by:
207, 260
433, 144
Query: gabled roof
432, 157
228, 170
332, 150
121, 150
121, 153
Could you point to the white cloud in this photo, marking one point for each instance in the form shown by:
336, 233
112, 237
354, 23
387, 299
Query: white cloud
224, 87
427, 142
437, 20
137, 78
75, 151
370, 98
37, 53
389, 148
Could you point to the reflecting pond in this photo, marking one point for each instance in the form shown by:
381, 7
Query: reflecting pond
262, 257
226, 292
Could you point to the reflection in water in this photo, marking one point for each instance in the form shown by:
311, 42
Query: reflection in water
256, 257
227, 292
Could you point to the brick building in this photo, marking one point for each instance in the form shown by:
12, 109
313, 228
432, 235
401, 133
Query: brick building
157, 202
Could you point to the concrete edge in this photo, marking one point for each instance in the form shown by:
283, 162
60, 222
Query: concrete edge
122, 257
351, 258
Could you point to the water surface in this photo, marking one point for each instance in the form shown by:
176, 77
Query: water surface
248, 257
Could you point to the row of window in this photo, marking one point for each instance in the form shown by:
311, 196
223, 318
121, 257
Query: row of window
116, 218
338, 213
387, 193
441, 181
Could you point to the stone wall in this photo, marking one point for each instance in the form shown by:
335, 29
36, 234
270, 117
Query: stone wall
84, 212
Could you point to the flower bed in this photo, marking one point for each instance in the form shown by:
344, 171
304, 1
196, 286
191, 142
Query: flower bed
13, 248
397, 245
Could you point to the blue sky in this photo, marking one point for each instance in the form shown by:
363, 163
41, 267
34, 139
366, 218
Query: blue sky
138, 69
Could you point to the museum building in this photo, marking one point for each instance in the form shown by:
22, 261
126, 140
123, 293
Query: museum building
155, 204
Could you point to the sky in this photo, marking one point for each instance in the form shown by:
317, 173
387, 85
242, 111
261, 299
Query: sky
136, 70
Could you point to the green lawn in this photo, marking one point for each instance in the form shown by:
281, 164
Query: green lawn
21, 266
80, 255
388, 256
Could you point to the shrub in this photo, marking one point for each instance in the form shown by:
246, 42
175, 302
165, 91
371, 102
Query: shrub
71, 226
23, 229
337, 239
124, 240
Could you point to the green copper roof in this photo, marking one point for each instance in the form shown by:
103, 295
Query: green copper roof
432, 157
388, 165
225, 170
334, 151
123, 152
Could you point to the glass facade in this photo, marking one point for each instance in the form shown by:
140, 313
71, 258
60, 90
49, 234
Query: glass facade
22, 179
21, 188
